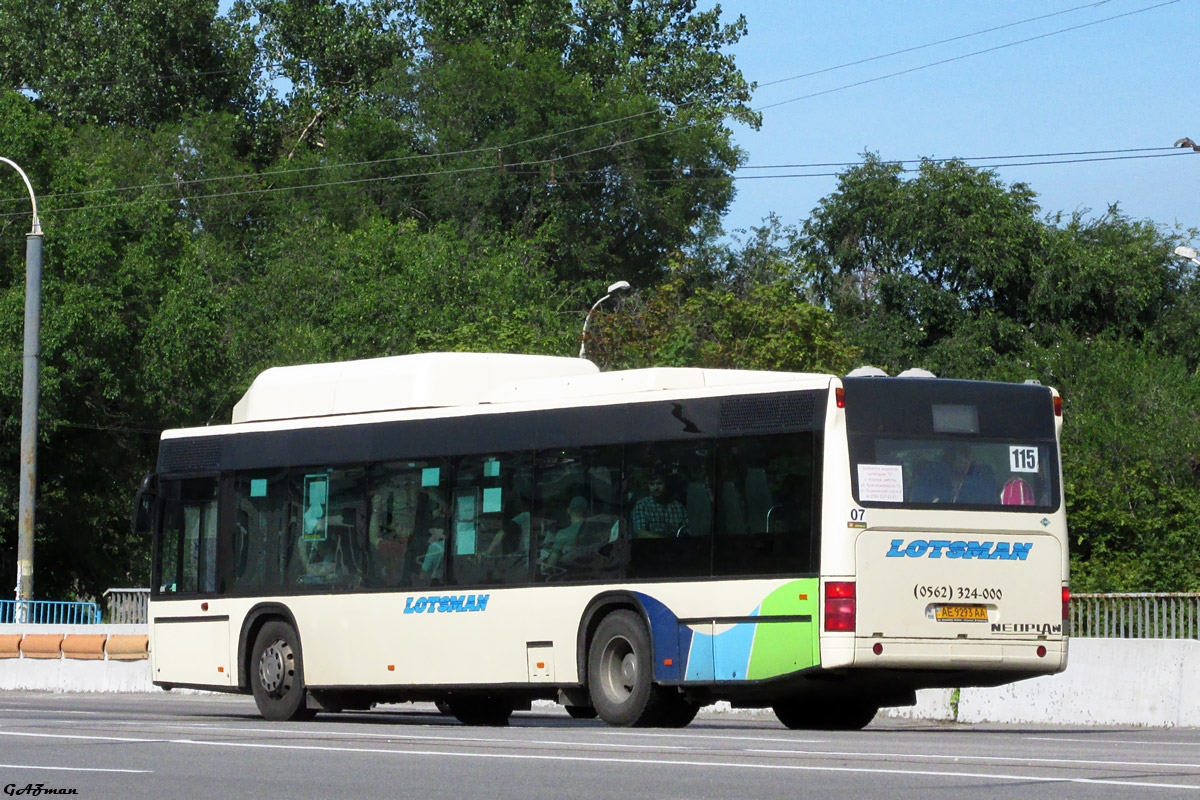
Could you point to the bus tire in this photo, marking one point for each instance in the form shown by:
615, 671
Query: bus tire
806, 715
581, 712
490, 711
620, 673
679, 712
277, 674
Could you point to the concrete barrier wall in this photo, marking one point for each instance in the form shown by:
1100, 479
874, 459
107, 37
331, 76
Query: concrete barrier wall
1150, 682
84, 667
1142, 682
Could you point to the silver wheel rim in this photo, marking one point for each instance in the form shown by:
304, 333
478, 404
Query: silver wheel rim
277, 668
618, 669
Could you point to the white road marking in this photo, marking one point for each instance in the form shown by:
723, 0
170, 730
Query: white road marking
420, 737
631, 761
781, 738
75, 769
33, 710
1112, 741
694, 737
89, 737
957, 757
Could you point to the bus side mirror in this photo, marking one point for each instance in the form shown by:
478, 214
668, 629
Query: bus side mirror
143, 506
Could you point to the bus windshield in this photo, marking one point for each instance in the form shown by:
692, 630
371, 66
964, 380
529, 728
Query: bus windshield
926, 443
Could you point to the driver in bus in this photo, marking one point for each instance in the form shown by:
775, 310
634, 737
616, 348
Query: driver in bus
957, 478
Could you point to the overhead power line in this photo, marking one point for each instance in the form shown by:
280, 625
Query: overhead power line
962, 158
927, 45
625, 118
535, 162
966, 55
579, 176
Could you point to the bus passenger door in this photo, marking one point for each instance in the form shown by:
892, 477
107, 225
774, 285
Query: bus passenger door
188, 633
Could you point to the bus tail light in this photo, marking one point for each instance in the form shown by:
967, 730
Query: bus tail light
1058, 406
1066, 604
839, 397
839, 606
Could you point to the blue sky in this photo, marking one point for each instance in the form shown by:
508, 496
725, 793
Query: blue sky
1131, 82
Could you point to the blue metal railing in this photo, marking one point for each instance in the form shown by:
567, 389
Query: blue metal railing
49, 612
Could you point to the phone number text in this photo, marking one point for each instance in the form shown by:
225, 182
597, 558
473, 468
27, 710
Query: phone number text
924, 591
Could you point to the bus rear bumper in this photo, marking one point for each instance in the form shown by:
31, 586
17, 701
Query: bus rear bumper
1026, 655
1038, 656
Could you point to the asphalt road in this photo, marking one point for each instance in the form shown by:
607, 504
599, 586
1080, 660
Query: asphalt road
202, 746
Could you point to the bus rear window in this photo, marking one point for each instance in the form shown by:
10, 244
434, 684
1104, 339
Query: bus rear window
937, 443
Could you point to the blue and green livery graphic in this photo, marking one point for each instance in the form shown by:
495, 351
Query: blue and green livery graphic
775, 638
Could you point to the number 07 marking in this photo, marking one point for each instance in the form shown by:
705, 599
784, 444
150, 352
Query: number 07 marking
1022, 459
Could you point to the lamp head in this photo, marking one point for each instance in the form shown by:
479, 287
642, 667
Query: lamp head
619, 286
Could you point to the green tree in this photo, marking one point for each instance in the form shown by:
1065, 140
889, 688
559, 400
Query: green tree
136, 62
769, 327
1131, 435
953, 264
392, 289
596, 127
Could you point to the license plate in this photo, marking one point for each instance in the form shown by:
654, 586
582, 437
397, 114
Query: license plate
961, 613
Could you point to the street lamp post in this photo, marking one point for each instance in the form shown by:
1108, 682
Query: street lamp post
619, 286
29, 403
1189, 253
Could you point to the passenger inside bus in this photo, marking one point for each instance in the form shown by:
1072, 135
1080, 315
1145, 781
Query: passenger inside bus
428, 548
564, 541
389, 532
658, 514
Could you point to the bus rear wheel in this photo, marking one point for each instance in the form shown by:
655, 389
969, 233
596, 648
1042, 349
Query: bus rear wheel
581, 712
277, 674
806, 715
620, 673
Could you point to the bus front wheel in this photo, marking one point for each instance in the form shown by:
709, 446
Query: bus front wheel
277, 674
679, 712
620, 673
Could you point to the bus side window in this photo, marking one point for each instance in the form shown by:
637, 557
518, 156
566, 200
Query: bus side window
671, 507
491, 522
425, 560
406, 523
188, 557
260, 523
576, 519
347, 529
391, 521
765, 526
330, 519
167, 568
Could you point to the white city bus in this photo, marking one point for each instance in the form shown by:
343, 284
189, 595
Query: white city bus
484, 530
